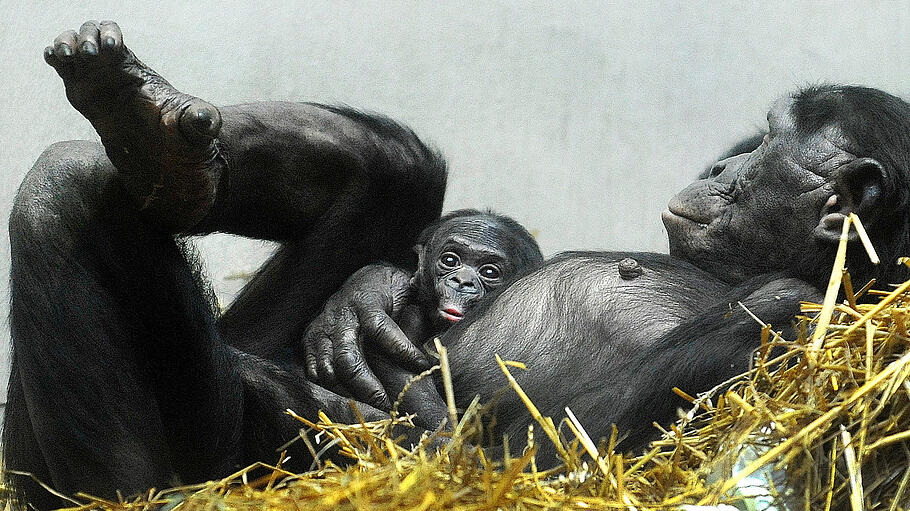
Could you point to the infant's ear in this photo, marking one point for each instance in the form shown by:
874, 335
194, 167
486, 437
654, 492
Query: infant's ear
419, 249
415, 277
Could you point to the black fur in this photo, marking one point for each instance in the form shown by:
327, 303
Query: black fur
757, 230
420, 320
121, 376
877, 125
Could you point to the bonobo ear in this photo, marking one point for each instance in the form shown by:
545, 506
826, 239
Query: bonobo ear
858, 188
420, 262
420, 254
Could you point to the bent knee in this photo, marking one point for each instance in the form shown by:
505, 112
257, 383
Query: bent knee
65, 181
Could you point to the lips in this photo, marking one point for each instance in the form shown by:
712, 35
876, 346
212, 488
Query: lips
451, 314
670, 216
702, 203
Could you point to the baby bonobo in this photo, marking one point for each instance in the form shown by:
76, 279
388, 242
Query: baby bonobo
462, 258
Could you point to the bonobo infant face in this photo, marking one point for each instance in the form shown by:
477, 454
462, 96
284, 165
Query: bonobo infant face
463, 258
780, 207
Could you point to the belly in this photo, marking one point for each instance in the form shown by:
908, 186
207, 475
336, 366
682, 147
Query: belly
619, 297
581, 312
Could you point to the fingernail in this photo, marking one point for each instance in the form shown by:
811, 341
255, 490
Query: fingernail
89, 48
108, 42
66, 50
48, 52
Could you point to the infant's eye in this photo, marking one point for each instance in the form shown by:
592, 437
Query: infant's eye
490, 272
449, 260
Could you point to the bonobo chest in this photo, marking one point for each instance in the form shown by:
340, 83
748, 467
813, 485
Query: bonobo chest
590, 304
628, 297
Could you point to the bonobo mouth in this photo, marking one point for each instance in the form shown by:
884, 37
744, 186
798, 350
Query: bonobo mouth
451, 314
675, 209
697, 206
671, 217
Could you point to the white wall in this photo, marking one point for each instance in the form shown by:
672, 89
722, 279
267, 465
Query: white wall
580, 119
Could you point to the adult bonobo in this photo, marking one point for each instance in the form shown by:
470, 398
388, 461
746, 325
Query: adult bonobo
462, 258
609, 334
122, 377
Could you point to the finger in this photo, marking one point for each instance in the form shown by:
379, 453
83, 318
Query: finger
340, 408
308, 345
87, 40
309, 354
311, 371
324, 368
64, 45
110, 37
382, 329
346, 343
360, 380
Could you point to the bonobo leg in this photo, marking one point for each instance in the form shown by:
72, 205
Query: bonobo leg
120, 380
119, 383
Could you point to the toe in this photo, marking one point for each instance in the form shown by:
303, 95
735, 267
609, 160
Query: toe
200, 121
65, 44
109, 36
87, 40
49, 56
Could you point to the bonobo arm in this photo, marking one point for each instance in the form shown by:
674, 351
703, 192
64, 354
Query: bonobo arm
707, 350
363, 310
422, 398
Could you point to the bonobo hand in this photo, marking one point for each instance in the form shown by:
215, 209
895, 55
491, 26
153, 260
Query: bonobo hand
362, 311
160, 139
777, 301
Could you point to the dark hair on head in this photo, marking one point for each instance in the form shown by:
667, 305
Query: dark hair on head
526, 253
876, 125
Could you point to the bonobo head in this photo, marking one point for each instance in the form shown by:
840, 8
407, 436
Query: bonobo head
463, 256
830, 151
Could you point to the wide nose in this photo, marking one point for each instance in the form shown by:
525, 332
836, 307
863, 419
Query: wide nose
463, 281
724, 170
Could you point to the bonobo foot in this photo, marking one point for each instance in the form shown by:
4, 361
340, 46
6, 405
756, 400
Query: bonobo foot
161, 140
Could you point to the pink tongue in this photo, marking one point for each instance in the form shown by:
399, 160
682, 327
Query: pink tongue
454, 312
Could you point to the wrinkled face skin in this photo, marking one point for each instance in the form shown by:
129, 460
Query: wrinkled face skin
763, 211
464, 260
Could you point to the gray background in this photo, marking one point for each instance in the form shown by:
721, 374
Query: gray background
579, 119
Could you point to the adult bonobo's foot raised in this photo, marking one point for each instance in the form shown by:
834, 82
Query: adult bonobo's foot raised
160, 139
123, 375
